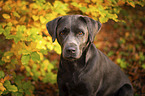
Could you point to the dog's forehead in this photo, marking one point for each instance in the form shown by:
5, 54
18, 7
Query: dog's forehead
71, 21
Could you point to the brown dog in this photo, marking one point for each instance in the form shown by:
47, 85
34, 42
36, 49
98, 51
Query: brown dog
83, 69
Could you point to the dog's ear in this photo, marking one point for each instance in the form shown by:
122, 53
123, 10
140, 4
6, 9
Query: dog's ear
52, 27
93, 26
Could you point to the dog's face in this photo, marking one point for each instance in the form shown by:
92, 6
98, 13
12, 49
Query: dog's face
73, 33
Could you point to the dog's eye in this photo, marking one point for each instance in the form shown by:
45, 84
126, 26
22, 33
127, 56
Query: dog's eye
80, 33
62, 33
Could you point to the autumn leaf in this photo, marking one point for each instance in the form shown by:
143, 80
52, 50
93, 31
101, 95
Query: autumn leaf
42, 19
2, 74
6, 16
1, 29
2, 88
132, 3
25, 59
8, 77
143, 66
35, 56
16, 14
35, 18
10, 87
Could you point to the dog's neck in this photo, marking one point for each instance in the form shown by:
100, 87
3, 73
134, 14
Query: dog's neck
73, 65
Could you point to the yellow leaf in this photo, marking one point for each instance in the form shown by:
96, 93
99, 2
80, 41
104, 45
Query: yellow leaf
45, 64
7, 56
41, 55
2, 88
41, 44
42, 19
50, 46
15, 22
43, 26
6, 16
35, 18
37, 24
49, 38
131, 3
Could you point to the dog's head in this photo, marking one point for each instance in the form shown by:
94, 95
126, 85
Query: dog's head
73, 33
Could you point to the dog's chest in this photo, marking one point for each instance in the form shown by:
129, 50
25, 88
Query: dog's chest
70, 77
76, 86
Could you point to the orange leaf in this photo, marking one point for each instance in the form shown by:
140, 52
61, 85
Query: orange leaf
8, 77
2, 80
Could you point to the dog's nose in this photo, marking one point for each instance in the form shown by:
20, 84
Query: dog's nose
71, 50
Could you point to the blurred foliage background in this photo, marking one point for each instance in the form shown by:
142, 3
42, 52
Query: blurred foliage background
29, 60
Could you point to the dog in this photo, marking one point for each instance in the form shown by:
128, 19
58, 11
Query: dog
84, 70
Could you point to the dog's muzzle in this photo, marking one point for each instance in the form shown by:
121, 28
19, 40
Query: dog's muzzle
70, 51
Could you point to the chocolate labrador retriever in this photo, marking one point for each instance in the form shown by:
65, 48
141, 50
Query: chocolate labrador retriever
84, 70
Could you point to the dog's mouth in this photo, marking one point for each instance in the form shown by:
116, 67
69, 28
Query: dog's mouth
70, 57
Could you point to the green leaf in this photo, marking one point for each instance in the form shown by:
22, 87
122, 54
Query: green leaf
103, 19
2, 74
19, 34
27, 85
50, 67
17, 93
9, 24
21, 29
122, 63
7, 31
28, 69
143, 66
110, 53
28, 93
2, 62
50, 77
17, 39
118, 60
16, 14
35, 56
35, 72
75, 4
14, 61
25, 59
142, 56
83, 9
18, 81
114, 1
34, 31
10, 87
25, 52
1, 29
